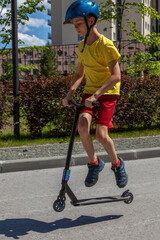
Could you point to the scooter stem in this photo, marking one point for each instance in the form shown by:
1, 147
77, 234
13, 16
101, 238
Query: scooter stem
71, 143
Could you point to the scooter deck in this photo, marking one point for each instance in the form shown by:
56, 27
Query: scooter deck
90, 201
59, 205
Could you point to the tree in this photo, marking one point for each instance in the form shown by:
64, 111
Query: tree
27, 8
48, 62
24, 10
141, 61
8, 66
8, 71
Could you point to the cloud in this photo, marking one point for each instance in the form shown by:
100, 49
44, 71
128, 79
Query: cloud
33, 27
31, 40
23, 28
45, 3
33, 23
3, 11
36, 22
20, 2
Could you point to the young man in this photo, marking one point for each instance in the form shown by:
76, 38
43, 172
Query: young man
98, 60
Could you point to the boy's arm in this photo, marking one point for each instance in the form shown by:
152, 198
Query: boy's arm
109, 84
75, 84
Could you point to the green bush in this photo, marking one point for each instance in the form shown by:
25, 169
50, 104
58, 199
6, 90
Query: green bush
6, 100
40, 104
2, 105
41, 100
138, 103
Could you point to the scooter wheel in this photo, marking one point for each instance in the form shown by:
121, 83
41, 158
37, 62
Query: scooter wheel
58, 206
129, 196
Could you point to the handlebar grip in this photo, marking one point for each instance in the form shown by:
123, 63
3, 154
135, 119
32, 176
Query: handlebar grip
95, 104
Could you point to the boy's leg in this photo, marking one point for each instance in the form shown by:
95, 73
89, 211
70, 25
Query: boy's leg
117, 163
96, 164
84, 124
103, 137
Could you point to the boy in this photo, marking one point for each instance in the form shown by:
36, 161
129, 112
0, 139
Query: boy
97, 59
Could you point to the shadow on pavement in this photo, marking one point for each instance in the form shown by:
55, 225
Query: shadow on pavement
14, 228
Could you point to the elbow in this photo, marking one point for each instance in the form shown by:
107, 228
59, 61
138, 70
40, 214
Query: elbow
79, 75
118, 78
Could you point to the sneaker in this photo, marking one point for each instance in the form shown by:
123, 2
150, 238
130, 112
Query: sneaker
120, 174
93, 171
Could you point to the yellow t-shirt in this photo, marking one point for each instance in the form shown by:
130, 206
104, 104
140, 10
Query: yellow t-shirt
95, 58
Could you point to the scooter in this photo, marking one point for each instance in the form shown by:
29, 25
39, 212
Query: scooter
59, 204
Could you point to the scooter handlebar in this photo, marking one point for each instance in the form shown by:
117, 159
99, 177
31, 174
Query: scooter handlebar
95, 104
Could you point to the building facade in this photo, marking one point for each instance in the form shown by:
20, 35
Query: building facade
65, 39
65, 34
155, 23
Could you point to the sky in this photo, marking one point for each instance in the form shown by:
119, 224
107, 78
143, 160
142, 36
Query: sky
35, 31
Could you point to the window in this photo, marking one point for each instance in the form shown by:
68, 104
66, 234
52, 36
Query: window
65, 73
59, 52
145, 25
36, 61
74, 53
65, 63
29, 53
114, 36
35, 71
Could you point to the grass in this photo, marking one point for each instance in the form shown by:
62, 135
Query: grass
7, 139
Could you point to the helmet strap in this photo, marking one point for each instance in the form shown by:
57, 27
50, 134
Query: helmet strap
88, 31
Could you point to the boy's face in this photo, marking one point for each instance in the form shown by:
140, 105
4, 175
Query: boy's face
80, 25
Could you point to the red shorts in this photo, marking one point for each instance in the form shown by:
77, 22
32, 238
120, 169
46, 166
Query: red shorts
105, 111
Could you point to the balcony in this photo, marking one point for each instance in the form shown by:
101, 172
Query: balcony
49, 12
49, 22
50, 36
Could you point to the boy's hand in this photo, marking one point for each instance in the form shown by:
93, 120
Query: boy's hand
65, 101
88, 101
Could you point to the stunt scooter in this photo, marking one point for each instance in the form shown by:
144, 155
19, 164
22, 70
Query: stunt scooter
59, 204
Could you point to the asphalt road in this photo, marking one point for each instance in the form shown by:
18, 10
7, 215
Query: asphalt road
27, 197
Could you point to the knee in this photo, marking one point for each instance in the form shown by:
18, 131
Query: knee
83, 127
102, 136
99, 136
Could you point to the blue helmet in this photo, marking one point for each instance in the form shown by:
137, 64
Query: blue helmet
81, 8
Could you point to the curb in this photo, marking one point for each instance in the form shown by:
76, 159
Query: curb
77, 160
